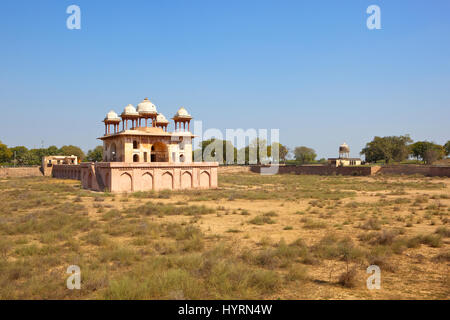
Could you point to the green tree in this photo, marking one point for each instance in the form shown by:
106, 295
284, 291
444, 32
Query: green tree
283, 151
5, 153
418, 149
19, 153
304, 154
222, 151
427, 151
447, 148
34, 157
433, 153
72, 150
392, 148
52, 151
255, 150
95, 155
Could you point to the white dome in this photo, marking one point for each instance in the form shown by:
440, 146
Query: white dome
129, 110
182, 112
112, 115
161, 119
146, 107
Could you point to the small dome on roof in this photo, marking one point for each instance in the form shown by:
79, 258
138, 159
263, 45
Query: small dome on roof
129, 110
161, 119
146, 106
182, 112
112, 115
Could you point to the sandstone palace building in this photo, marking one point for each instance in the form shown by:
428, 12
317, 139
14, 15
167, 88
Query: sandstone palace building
141, 154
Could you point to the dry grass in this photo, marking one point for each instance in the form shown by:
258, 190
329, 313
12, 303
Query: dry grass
286, 236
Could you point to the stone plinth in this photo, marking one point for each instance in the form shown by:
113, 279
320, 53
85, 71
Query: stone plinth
131, 177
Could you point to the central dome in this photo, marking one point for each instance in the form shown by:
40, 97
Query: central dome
146, 106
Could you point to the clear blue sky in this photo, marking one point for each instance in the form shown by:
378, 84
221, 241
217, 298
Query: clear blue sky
310, 68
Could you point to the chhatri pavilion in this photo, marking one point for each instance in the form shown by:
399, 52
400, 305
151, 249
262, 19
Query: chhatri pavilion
141, 154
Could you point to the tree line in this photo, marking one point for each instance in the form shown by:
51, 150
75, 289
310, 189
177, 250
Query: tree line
399, 148
224, 152
381, 149
22, 156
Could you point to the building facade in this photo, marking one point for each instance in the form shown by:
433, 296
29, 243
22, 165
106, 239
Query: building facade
143, 155
344, 158
49, 161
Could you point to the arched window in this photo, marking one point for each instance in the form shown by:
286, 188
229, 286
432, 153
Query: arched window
135, 144
113, 155
181, 158
135, 158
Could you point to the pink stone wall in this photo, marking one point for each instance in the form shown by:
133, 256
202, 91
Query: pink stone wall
66, 171
132, 177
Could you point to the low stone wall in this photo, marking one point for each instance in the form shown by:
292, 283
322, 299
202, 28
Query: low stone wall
20, 172
66, 171
430, 171
322, 170
233, 169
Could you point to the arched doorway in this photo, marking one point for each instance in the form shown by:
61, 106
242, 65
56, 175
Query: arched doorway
167, 181
135, 158
112, 153
147, 182
125, 183
204, 180
159, 152
186, 180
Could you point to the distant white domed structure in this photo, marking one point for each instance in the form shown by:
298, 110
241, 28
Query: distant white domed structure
344, 151
344, 148
344, 158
